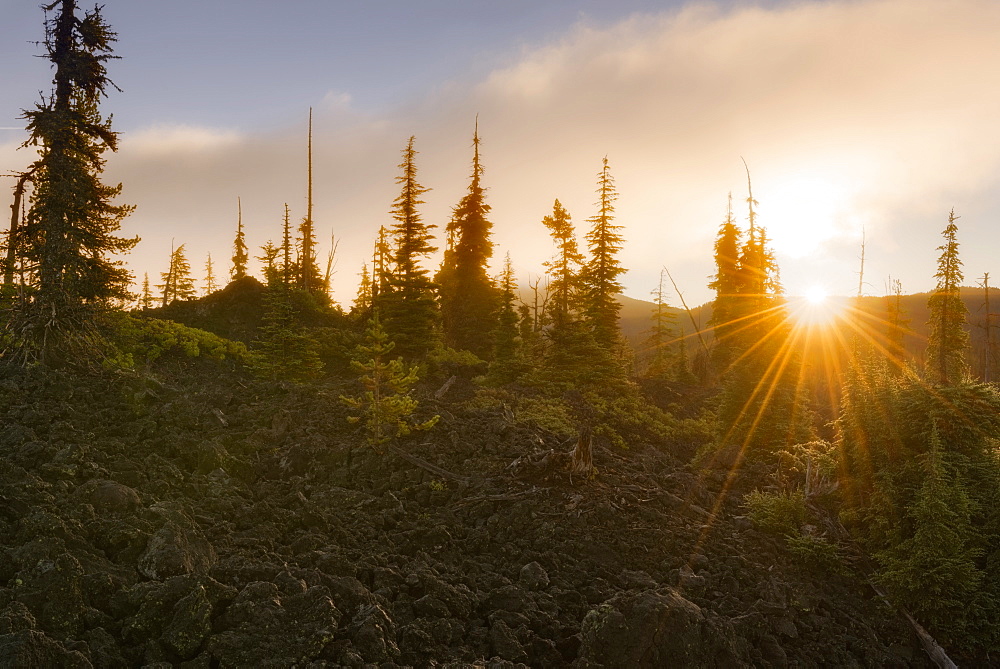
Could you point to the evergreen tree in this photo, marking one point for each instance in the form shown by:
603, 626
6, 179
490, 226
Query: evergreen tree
146, 298
385, 404
661, 335
565, 267
381, 264
601, 273
287, 351
240, 254
468, 296
726, 284
507, 364
896, 324
948, 340
287, 267
363, 301
933, 572
178, 284
70, 229
409, 306
269, 257
210, 285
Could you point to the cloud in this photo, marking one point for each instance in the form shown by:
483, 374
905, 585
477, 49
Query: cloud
179, 140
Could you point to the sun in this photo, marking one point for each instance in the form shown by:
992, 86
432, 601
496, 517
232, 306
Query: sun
816, 307
816, 295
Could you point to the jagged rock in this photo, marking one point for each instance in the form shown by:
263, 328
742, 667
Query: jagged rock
178, 548
505, 644
533, 576
31, 648
192, 622
656, 628
111, 496
262, 626
16, 618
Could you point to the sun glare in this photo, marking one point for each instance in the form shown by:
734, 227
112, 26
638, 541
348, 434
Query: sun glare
816, 307
816, 295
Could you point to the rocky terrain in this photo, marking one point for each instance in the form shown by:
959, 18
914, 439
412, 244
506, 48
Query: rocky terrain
199, 518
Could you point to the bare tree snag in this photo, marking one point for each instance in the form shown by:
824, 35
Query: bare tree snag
15, 210
582, 458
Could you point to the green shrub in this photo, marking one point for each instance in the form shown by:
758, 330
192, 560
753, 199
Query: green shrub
145, 340
780, 513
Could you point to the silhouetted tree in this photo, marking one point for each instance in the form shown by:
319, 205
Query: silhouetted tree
146, 297
468, 296
210, 285
896, 324
726, 284
309, 277
69, 233
601, 273
178, 284
661, 335
409, 308
565, 267
948, 340
240, 255
269, 257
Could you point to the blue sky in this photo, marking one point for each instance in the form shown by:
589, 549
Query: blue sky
856, 115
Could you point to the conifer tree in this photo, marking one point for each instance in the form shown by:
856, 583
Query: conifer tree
896, 324
240, 254
381, 264
288, 352
948, 340
287, 268
409, 307
146, 298
468, 296
506, 364
601, 273
565, 267
661, 335
269, 254
178, 284
363, 301
69, 234
726, 284
385, 403
210, 285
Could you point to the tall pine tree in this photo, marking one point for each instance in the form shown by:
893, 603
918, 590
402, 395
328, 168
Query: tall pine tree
240, 255
726, 284
468, 296
565, 267
603, 269
69, 235
948, 340
409, 307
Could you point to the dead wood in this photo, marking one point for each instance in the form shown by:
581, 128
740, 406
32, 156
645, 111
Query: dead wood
582, 458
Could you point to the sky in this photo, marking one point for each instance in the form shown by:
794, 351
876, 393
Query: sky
861, 121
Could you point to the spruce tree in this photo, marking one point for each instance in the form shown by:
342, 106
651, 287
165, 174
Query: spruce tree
210, 285
468, 296
601, 273
506, 363
363, 301
661, 335
896, 325
726, 284
269, 254
178, 284
385, 404
409, 307
146, 297
69, 234
240, 255
565, 267
948, 340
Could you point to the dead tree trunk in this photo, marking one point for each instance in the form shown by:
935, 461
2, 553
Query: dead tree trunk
582, 458
15, 213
